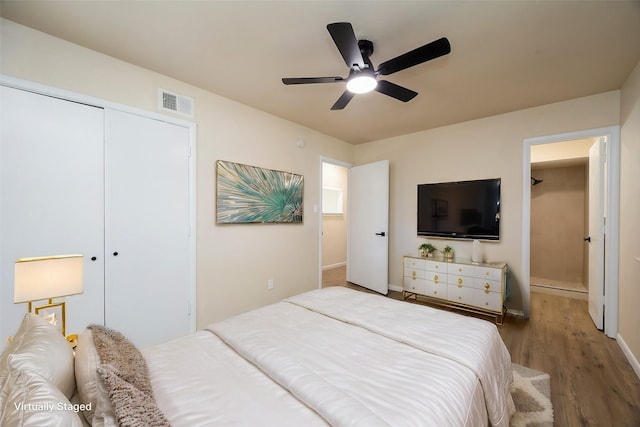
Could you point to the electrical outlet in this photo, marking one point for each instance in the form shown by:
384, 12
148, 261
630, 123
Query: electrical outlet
270, 284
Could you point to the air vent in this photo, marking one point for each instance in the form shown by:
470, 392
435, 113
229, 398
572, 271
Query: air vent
181, 104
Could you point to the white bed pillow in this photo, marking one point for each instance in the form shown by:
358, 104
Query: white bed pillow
91, 388
39, 348
29, 400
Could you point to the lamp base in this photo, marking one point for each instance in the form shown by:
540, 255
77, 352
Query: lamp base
72, 340
54, 313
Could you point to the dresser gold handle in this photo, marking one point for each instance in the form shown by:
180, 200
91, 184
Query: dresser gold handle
460, 286
436, 278
487, 286
413, 278
486, 291
435, 292
459, 281
413, 273
486, 274
459, 297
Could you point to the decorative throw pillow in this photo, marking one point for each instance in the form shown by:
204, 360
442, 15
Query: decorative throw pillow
133, 407
29, 400
91, 388
38, 347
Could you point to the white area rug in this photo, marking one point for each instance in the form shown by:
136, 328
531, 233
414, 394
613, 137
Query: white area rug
531, 393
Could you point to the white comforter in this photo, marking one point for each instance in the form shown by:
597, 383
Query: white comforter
336, 356
199, 381
350, 376
471, 342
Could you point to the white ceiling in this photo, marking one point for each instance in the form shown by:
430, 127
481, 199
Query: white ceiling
506, 55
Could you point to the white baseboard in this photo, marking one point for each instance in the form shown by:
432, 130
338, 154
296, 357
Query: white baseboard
630, 357
332, 266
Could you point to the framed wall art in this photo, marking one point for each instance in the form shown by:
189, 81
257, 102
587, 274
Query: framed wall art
250, 194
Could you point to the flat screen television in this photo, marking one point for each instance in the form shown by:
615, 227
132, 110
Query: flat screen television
462, 210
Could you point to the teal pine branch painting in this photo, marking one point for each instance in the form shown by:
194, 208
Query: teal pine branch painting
249, 194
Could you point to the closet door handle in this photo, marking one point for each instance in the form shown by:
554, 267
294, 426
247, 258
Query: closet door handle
587, 239
115, 253
93, 258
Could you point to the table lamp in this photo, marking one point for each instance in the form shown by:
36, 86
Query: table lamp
49, 277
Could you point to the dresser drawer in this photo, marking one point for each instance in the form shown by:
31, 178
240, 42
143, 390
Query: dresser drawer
461, 269
439, 266
414, 263
434, 277
488, 273
460, 280
413, 272
487, 285
436, 289
487, 300
414, 285
460, 294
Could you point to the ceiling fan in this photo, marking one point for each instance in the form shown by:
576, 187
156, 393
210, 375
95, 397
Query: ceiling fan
362, 76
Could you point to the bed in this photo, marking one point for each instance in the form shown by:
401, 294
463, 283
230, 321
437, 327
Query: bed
332, 356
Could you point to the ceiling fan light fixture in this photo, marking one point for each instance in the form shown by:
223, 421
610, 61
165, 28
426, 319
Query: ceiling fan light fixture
362, 83
362, 74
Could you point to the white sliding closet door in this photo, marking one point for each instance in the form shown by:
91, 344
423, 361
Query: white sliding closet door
51, 181
148, 281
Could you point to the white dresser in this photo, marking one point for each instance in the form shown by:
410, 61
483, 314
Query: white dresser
461, 284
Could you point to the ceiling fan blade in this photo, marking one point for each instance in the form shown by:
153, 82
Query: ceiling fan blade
417, 56
345, 39
306, 80
393, 90
343, 100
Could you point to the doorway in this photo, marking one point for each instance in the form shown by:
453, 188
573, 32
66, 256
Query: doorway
334, 227
607, 286
559, 217
363, 231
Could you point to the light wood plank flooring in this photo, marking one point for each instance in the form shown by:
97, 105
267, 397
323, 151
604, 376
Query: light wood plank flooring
592, 383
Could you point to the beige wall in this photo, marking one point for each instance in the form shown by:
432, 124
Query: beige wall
334, 227
629, 292
558, 224
484, 148
234, 262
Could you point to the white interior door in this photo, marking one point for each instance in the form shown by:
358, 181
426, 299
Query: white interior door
596, 232
147, 223
368, 245
51, 183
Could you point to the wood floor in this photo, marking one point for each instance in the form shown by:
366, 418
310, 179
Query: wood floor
592, 383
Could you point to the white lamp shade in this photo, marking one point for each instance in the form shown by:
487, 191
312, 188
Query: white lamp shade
47, 277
